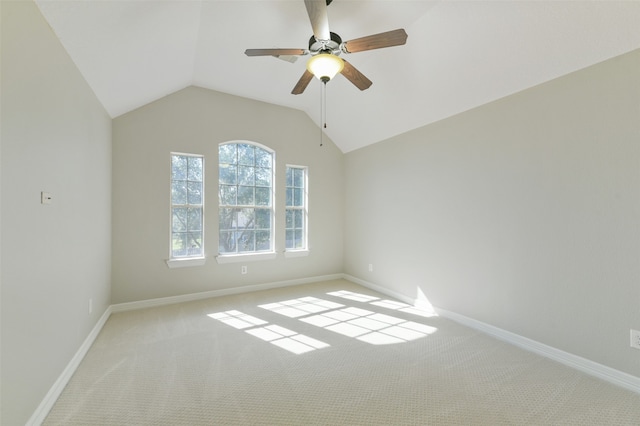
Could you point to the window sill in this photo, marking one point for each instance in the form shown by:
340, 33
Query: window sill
237, 258
185, 263
296, 253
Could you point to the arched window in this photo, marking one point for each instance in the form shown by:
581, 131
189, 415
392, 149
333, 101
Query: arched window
245, 196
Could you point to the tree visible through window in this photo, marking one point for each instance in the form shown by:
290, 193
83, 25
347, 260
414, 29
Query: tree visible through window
245, 198
187, 206
296, 211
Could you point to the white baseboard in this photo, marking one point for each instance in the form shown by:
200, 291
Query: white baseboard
52, 396
608, 374
120, 307
592, 368
380, 289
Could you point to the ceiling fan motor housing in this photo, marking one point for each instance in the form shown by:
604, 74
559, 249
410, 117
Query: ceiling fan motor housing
332, 46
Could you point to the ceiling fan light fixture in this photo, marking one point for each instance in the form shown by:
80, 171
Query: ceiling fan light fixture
325, 66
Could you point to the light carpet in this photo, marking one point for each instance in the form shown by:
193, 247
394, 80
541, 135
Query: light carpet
331, 353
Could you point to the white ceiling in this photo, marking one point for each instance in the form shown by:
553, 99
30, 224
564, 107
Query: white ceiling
459, 54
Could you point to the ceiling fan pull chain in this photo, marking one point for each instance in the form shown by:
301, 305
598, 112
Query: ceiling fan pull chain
323, 109
324, 105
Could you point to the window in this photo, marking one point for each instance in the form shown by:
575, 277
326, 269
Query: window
187, 200
245, 198
296, 209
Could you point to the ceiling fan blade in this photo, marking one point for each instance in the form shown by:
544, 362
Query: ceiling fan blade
302, 83
355, 76
288, 58
275, 52
317, 11
376, 41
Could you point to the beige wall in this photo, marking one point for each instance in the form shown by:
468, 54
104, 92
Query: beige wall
196, 120
56, 137
523, 213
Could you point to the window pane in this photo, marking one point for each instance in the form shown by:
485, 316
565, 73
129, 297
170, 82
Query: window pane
194, 244
194, 219
227, 219
246, 219
179, 192
246, 176
245, 195
227, 242
195, 169
298, 178
246, 155
290, 238
179, 245
289, 196
228, 174
228, 195
194, 192
179, 222
297, 197
289, 219
289, 176
263, 196
246, 241
263, 240
263, 177
263, 158
178, 167
298, 215
263, 219
228, 154
298, 239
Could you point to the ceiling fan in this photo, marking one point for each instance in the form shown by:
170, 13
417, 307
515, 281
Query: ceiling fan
325, 46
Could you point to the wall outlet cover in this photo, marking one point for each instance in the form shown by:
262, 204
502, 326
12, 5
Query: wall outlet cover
635, 339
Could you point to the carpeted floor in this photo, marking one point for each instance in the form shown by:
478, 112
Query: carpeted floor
331, 353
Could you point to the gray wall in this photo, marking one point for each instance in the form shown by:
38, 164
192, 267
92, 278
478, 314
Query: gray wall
56, 137
196, 120
523, 213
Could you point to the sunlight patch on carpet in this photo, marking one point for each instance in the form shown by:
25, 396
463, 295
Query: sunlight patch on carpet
284, 338
302, 306
389, 304
362, 324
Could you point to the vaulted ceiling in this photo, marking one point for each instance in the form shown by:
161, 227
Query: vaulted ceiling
459, 54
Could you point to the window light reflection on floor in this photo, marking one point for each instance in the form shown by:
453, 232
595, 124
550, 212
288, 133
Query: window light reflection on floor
295, 308
287, 339
237, 319
369, 326
358, 297
362, 324
389, 304
274, 334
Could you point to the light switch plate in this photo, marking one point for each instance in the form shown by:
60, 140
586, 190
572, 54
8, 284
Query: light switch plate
45, 198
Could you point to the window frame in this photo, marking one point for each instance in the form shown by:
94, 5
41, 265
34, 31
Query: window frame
304, 250
241, 256
194, 260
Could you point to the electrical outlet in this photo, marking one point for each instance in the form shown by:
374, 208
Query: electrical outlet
243, 270
635, 339
371, 267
